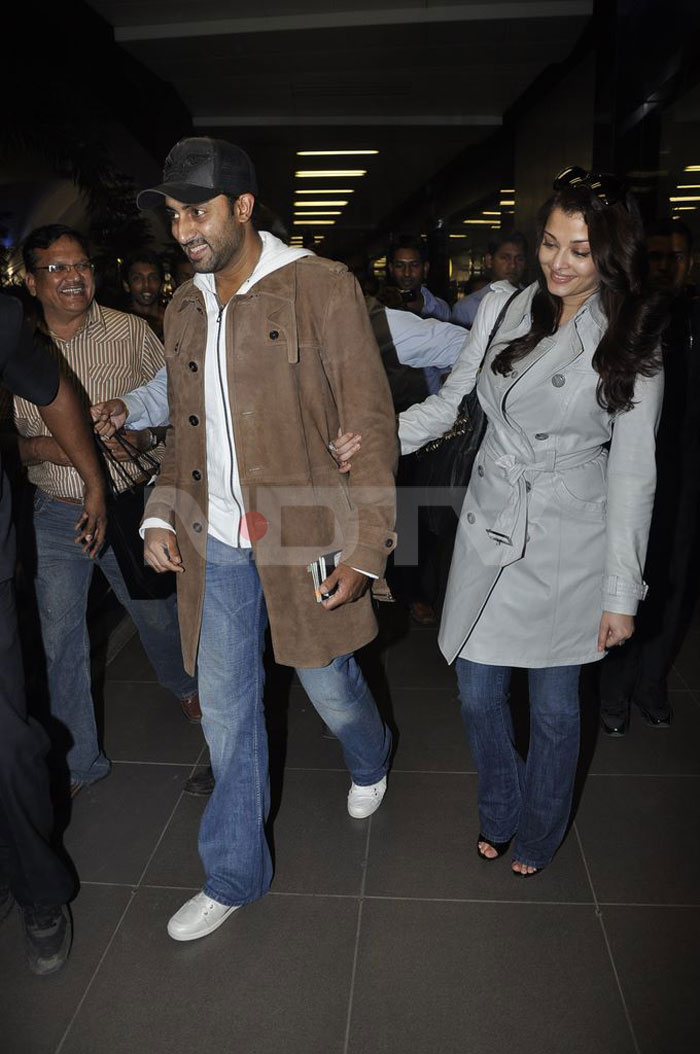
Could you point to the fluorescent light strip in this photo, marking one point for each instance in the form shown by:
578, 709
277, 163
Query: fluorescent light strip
459, 236
509, 190
487, 222
689, 186
506, 203
338, 190
328, 212
684, 208
314, 223
692, 168
324, 173
485, 213
333, 153
313, 204
686, 197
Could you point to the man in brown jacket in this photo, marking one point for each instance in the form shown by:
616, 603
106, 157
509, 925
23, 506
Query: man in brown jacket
269, 353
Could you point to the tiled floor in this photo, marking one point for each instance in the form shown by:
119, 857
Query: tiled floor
385, 936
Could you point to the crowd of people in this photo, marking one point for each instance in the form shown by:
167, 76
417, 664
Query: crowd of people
257, 424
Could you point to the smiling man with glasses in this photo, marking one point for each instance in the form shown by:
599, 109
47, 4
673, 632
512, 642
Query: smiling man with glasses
104, 352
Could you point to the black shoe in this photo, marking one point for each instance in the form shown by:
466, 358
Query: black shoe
500, 847
6, 902
656, 720
614, 725
47, 937
201, 784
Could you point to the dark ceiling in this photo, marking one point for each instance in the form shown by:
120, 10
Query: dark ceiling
418, 81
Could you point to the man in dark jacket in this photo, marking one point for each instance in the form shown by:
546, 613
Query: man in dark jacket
30, 870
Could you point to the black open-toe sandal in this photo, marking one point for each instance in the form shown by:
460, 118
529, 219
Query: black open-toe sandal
500, 847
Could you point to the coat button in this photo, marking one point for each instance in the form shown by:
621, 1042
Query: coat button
542, 435
388, 543
274, 334
193, 366
197, 475
558, 380
194, 420
528, 486
471, 518
480, 470
197, 527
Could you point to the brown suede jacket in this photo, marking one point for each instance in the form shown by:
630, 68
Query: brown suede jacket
302, 361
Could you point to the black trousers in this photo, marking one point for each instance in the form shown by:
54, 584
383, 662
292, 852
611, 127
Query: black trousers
28, 863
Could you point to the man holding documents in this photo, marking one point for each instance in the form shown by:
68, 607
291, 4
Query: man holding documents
269, 353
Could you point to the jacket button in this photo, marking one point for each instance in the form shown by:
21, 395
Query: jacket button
480, 470
538, 435
194, 420
197, 527
388, 543
193, 366
558, 380
274, 334
528, 486
471, 518
197, 475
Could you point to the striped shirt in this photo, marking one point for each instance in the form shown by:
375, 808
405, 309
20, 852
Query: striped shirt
112, 353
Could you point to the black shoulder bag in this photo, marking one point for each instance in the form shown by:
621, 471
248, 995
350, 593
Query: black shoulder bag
125, 512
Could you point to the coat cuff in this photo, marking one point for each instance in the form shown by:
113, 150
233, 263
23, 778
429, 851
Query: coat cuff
371, 558
622, 595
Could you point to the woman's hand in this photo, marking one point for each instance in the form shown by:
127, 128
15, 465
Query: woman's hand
614, 629
343, 447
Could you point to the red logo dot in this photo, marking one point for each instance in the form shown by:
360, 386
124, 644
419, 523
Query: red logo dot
254, 526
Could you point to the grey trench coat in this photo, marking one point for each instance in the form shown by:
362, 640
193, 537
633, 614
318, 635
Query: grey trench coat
554, 525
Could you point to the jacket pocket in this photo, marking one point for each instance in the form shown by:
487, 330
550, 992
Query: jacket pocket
582, 505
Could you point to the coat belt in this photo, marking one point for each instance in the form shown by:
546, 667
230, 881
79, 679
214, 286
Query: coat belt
509, 531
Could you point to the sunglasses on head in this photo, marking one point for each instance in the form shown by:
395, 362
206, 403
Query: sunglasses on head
606, 187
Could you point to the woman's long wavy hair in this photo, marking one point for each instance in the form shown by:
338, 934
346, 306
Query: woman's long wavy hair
636, 315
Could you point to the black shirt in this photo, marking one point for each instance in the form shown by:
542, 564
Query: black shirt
27, 370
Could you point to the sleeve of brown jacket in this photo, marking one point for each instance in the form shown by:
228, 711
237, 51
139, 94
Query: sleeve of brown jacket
353, 365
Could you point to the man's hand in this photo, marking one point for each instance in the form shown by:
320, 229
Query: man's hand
343, 447
141, 440
614, 629
109, 417
160, 550
33, 450
351, 585
92, 525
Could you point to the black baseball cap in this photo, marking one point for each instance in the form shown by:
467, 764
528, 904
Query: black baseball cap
199, 168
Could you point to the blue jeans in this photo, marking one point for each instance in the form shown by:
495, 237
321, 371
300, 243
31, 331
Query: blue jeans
232, 843
529, 801
63, 576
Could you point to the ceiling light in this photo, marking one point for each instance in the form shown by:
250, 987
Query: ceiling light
692, 168
329, 212
684, 208
330, 172
333, 153
506, 203
314, 223
459, 236
487, 222
485, 213
689, 186
345, 190
311, 204
686, 197
510, 190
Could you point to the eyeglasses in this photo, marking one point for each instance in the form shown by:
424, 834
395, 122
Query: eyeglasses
84, 267
606, 187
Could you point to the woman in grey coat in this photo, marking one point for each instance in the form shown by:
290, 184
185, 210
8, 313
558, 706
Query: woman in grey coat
547, 566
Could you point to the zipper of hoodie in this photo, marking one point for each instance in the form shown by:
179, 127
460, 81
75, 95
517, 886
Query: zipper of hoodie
227, 419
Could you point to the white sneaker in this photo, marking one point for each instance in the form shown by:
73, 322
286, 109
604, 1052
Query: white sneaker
198, 917
363, 801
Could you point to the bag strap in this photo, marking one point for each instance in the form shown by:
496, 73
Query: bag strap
499, 319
